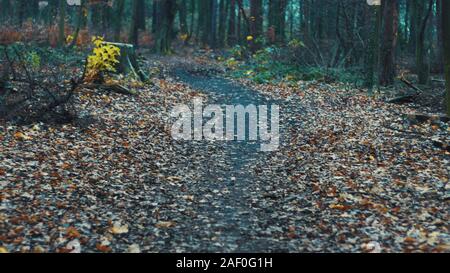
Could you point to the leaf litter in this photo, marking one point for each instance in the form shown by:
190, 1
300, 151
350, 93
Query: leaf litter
352, 174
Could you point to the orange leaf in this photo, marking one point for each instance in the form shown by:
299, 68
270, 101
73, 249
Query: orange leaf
72, 233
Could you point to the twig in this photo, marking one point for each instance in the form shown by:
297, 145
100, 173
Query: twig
409, 84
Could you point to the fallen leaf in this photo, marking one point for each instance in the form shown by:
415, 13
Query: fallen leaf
119, 229
103, 248
165, 224
339, 207
72, 233
21, 136
134, 248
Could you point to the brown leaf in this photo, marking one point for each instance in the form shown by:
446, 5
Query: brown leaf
103, 248
165, 224
72, 233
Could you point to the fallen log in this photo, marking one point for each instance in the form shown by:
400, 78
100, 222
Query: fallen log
406, 98
438, 80
422, 117
403, 99
128, 61
117, 88
410, 84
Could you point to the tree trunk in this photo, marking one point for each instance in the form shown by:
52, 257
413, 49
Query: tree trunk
61, 24
141, 22
120, 5
182, 15
193, 9
213, 33
80, 18
374, 48
277, 19
440, 52
389, 43
232, 23
256, 22
412, 24
166, 13
423, 12
446, 41
134, 28
222, 22
128, 61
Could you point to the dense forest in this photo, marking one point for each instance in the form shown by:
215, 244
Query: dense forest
89, 161
381, 39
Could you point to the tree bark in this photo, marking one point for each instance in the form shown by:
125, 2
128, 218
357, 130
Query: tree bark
80, 18
120, 5
389, 43
134, 28
446, 41
256, 22
423, 13
166, 13
232, 23
61, 24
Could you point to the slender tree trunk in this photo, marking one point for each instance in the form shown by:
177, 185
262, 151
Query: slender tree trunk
141, 15
167, 10
5, 11
134, 28
232, 23
192, 26
206, 21
61, 24
182, 13
256, 22
424, 11
413, 24
374, 48
440, 51
389, 43
120, 6
213, 33
21, 12
446, 41
222, 22
80, 19
277, 19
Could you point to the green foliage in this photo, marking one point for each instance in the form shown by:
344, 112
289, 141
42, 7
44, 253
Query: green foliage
296, 43
275, 64
237, 51
33, 59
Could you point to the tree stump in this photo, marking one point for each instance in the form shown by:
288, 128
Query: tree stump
128, 61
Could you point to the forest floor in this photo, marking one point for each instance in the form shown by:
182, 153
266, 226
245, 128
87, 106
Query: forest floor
353, 173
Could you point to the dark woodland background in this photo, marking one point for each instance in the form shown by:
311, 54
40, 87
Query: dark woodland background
381, 42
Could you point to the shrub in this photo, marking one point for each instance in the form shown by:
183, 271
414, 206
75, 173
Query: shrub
103, 59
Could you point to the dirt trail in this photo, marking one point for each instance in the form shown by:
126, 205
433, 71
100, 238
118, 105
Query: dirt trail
233, 214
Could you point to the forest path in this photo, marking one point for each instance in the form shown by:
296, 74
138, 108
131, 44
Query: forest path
239, 224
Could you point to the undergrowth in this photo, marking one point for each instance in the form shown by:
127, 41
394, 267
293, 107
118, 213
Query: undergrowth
275, 64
